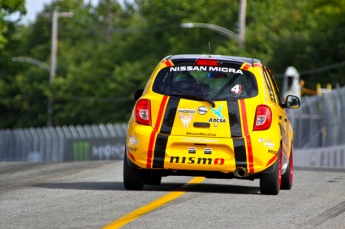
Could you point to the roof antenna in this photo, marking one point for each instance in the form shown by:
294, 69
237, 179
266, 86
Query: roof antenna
209, 49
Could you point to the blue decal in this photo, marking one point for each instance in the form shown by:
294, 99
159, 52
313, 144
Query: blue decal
218, 112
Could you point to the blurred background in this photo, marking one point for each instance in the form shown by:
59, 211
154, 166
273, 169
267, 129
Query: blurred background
78, 63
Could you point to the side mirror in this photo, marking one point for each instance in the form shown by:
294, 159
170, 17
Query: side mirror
138, 94
292, 102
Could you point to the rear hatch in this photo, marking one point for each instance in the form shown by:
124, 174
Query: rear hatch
203, 97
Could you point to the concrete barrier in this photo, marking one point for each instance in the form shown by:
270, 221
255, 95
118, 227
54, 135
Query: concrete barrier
324, 157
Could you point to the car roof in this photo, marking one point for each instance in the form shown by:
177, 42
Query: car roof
213, 57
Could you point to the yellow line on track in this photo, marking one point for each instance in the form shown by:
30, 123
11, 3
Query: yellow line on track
153, 205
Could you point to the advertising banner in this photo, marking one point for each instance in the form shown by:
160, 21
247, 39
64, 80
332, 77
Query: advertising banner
94, 149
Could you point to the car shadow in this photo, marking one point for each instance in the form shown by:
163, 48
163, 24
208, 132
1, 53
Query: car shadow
225, 189
93, 186
164, 187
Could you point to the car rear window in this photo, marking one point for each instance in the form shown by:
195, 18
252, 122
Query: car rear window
223, 82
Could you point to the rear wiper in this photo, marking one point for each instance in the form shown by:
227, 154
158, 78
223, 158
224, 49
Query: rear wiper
189, 96
227, 85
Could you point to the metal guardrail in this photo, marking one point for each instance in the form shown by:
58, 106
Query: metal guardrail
66, 143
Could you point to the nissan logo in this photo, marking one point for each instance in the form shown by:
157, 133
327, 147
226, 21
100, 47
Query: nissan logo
202, 110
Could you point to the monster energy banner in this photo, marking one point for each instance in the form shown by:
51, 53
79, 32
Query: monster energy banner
94, 149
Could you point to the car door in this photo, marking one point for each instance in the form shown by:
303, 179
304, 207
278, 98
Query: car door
286, 129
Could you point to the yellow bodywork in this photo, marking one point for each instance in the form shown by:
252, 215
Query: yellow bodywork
217, 147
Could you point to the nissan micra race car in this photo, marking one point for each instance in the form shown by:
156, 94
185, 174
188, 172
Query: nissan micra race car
211, 116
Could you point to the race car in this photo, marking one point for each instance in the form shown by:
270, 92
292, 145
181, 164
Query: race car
213, 116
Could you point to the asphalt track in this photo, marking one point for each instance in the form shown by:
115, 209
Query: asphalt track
91, 195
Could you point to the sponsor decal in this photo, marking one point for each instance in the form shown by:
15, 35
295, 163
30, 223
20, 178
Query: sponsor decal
186, 111
81, 151
201, 134
202, 110
267, 142
199, 140
133, 140
217, 120
197, 160
205, 68
108, 151
218, 111
272, 151
131, 148
188, 68
94, 149
185, 119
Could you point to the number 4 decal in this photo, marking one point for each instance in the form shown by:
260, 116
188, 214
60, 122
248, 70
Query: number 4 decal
237, 89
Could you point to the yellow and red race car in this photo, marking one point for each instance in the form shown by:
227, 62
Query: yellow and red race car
212, 116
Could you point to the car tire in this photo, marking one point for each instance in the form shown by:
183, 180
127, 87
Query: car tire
152, 178
287, 178
270, 182
132, 177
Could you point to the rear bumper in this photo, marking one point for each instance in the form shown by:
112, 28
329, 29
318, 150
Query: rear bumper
201, 173
147, 149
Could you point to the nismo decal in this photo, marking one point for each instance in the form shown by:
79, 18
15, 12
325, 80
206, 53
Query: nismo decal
197, 160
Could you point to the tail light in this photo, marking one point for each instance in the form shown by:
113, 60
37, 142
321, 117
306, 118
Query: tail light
207, 62
143, 112
263, 118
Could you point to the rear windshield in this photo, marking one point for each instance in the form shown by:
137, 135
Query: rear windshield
216, 83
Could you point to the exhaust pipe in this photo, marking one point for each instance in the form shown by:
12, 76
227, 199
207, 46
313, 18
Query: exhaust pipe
241, 173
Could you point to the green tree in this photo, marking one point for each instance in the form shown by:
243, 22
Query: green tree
86, 93
106, 52
7, 8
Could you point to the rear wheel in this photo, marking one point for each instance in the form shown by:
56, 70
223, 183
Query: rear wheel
132, 177
287, 178
270, 182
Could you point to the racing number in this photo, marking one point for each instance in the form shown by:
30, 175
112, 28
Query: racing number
237, 89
